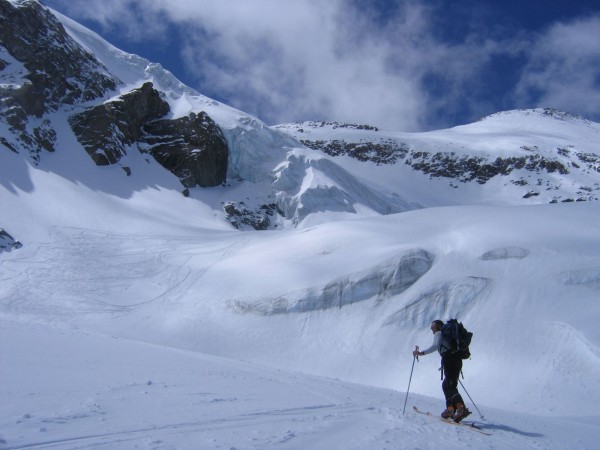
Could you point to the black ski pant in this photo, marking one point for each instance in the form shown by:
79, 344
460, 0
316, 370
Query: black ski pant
451, 367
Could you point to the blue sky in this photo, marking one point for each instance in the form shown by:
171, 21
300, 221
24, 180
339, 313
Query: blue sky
400, 65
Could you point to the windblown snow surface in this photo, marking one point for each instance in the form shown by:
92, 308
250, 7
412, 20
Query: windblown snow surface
125, 323
134, 317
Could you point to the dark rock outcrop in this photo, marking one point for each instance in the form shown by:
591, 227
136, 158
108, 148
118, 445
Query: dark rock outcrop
60, 71
45, 70
477, 168
388, 152
7, 242
438, 164
107, 129
244, 218
192, 147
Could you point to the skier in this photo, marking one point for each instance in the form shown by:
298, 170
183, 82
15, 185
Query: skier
451, 367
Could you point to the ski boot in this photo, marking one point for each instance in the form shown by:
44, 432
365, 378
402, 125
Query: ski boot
461, 412
448, 413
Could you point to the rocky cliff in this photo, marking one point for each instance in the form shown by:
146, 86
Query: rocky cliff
191, 147
44, 70
41, 68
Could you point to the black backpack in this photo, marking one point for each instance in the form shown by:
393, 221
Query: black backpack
459, 338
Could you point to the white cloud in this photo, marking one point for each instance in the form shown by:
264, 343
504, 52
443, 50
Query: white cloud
302, 59
564, 68
314, 60
286, 60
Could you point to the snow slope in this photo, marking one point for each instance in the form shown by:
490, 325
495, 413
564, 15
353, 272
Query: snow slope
83, 390
133, 316
570, 143
108, 294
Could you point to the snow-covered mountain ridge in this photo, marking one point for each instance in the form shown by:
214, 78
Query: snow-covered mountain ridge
543, 153
120, 288
269, 179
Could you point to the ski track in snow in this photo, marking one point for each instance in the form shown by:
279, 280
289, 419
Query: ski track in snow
69, 388
116, 264
179, 399
272, 418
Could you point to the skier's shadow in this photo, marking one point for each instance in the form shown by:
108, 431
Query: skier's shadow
495, 426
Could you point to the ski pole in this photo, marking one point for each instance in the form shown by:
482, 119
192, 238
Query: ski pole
410, 379
463, 386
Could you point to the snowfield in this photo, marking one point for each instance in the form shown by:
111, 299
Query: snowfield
134, 317
69, 389
107, 336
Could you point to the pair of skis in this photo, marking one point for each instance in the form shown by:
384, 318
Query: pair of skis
470, 426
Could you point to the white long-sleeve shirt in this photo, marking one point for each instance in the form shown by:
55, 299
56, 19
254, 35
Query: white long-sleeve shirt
436, 345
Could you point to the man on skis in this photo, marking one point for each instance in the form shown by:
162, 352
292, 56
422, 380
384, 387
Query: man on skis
451, 367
